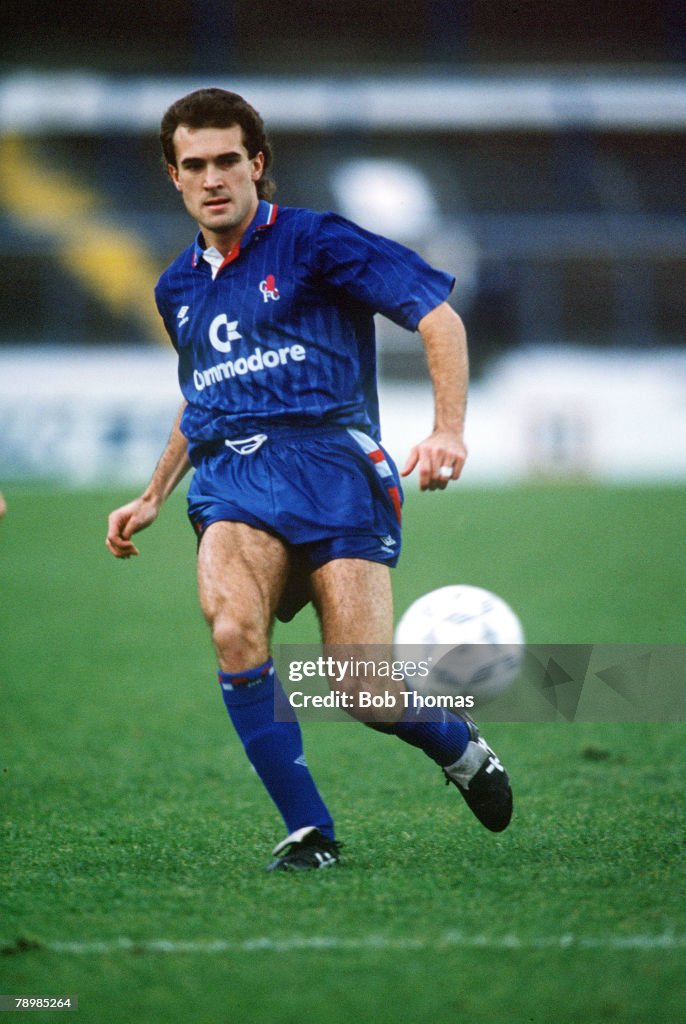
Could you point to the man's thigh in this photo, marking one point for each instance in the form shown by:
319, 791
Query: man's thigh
242, 572
355, 606
354, 601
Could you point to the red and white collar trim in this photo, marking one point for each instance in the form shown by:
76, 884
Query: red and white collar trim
271, 209
265, 216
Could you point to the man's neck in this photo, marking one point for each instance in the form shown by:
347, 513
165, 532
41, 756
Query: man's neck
227, 241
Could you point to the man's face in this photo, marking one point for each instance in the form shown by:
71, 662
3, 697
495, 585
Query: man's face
217, 180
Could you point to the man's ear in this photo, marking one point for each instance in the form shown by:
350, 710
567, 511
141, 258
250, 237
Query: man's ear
173, 173
257, 166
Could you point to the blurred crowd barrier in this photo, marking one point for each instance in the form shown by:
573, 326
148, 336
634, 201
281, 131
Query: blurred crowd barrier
84, 417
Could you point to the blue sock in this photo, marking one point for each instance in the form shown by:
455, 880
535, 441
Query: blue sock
443, 737
274, 748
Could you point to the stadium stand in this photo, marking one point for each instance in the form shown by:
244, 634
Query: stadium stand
550, 135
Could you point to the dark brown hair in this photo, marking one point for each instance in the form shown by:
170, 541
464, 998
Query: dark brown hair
217, 108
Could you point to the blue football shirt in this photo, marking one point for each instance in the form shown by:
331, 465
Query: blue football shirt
283, 333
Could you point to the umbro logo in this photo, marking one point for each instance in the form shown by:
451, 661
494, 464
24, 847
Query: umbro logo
494, 765
181, 315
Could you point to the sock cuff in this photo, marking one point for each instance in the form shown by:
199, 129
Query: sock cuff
230, 680
249, 685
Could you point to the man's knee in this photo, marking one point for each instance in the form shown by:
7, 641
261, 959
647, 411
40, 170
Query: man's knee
239, 640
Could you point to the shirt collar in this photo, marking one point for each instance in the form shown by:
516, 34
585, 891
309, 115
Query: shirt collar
265, 215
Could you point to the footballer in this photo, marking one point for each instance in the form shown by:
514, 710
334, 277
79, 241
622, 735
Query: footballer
293, 497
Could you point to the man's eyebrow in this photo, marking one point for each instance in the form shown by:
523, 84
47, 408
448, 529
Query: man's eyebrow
190, 161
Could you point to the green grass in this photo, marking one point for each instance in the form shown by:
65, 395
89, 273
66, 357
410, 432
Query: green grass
129, 813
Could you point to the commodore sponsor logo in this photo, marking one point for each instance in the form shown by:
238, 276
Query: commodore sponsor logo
258, 360
223, 332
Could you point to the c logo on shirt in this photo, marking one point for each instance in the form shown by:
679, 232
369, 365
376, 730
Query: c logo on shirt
228, 330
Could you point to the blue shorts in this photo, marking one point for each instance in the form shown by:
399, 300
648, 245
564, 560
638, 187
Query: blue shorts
325, 492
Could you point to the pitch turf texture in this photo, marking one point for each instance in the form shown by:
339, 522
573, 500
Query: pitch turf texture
134, 836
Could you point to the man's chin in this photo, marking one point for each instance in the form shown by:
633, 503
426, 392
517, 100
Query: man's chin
220, 226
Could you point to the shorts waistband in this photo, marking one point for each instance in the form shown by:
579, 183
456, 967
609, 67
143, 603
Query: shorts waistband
286, 433
247, 442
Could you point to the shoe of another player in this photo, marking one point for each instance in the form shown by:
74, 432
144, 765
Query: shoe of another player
482, 781
306, 849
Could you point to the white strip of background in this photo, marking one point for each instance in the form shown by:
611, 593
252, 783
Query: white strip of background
372, 943
33, 102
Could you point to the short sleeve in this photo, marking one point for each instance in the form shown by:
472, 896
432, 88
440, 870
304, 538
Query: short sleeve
384, 275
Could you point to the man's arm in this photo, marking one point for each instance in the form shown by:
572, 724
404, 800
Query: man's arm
142, 511
445, 342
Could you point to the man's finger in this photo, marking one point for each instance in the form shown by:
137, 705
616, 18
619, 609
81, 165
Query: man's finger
412, 460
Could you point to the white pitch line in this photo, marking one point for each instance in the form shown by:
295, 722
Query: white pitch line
326, 943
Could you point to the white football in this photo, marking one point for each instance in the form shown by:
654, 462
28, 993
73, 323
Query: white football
471, 638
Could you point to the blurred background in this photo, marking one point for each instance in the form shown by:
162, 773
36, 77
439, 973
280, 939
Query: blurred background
535, 149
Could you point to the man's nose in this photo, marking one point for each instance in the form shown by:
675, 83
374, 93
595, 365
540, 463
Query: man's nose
213, 176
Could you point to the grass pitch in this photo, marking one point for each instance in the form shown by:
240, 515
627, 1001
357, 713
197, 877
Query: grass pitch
134, 834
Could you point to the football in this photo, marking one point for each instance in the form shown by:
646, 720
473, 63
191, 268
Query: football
471, 638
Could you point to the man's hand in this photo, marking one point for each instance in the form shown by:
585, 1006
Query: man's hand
141, 512
440, 459
127, 520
